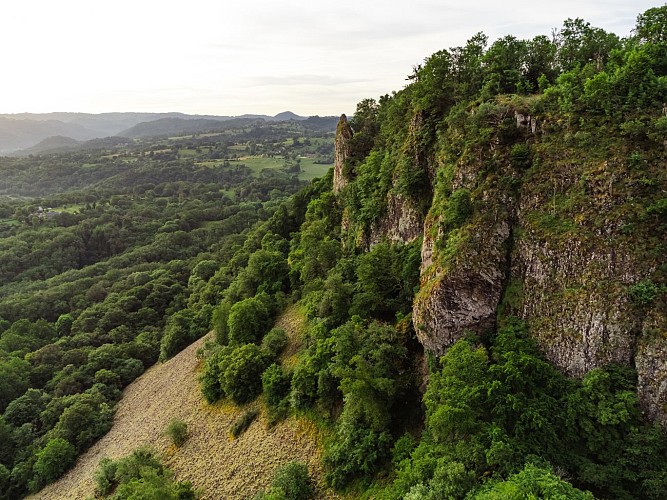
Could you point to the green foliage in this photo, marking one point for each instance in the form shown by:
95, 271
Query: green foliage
125, 268
293, 482
26, 409
83, 420
403, 447
355, 452
387, 276
521, 156
652, 25
243, 422
241, 371
209, 379
220, 322
13, 379
181, 330
367, 360
643, 293
274, 342
275, 384
105, 476
177, 432
153, 485
303, 391
52, 460
457, 211
316, 248
491, 414
4, 477
139, 475
531, 482
248, 320
7, 442
64, 324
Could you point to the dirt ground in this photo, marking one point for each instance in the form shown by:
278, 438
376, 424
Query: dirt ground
221, 466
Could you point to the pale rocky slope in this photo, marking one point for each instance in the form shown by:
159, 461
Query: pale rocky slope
210, 459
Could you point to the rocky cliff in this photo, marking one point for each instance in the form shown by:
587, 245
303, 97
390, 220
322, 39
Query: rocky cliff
529, 220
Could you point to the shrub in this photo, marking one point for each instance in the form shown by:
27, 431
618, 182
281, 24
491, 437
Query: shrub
274, 342
129, 370
403, 448
179, 332
140, 475
242, 424
241, 373
459, 210
177, 431
52, 460
220, 319
304, 385
26, 408
644, 293
4, 477
130, 467
275, 384
355, 451
521, 156
107, 377
247, 321
293, 481
209, 380
105, 476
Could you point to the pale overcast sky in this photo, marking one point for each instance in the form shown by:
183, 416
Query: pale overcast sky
251, 56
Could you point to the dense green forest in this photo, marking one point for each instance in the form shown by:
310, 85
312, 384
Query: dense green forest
111, 259
114, 260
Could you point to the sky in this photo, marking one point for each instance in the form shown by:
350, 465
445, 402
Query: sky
249, 56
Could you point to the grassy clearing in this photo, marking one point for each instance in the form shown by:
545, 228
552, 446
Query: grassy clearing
293, 321
310, 170
259, 163
187, 153
70, 208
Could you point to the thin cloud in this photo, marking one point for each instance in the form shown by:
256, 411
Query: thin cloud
304, 79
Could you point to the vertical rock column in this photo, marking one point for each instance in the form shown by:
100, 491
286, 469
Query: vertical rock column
342, 149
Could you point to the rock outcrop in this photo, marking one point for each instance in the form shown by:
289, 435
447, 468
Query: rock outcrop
574, 300
402, 223
342, 149
651, 364
464, 294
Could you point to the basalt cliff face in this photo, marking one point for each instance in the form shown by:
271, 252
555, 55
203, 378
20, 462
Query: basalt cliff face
527, 219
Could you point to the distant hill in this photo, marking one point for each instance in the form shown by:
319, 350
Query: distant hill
169, 126
19, 133
288, 115
53, 144
59, 144
320, 123
24, 130
175, 126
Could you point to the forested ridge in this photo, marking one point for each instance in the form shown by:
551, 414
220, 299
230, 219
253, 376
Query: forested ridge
481, 274
110, 260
